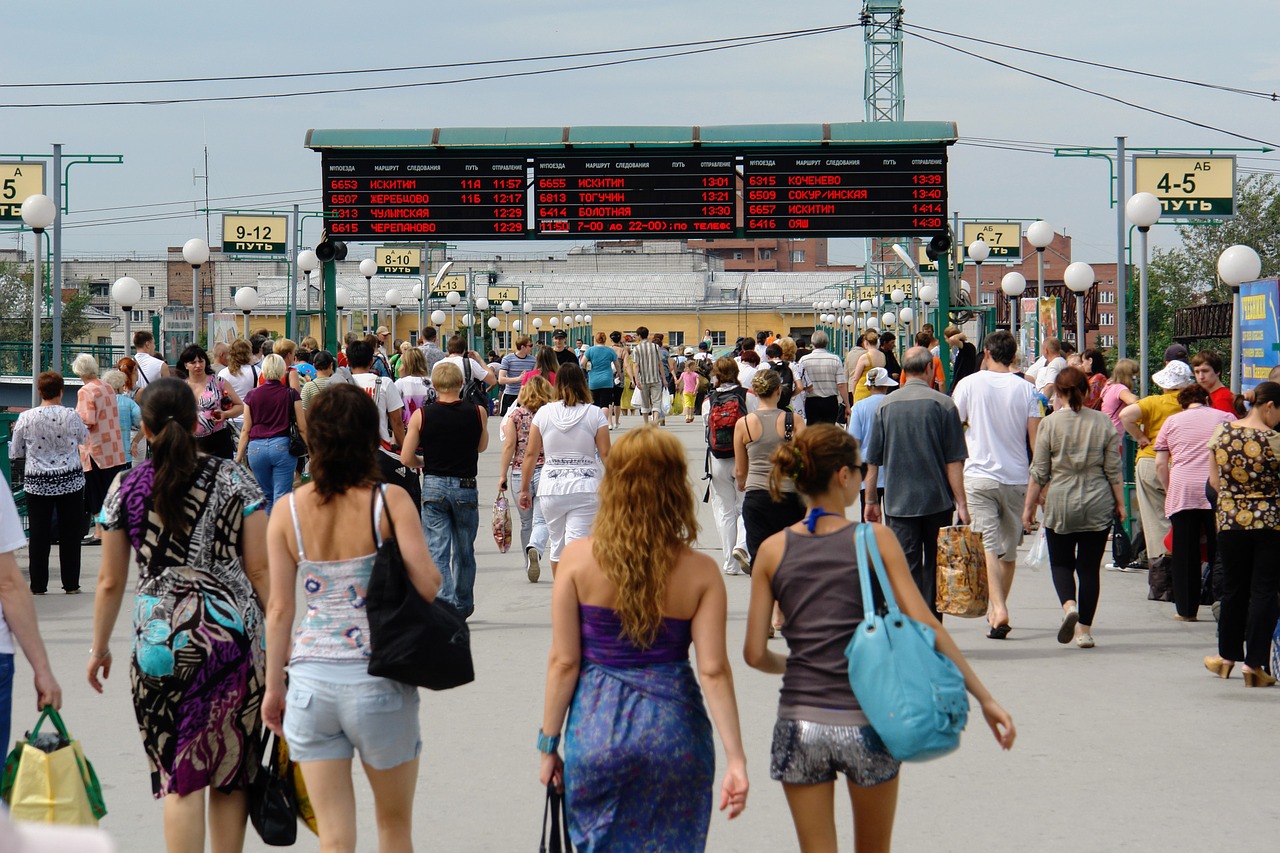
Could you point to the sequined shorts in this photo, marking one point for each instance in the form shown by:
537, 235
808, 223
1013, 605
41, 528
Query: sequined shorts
807, 753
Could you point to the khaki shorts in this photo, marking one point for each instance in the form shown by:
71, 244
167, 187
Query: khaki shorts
996, 510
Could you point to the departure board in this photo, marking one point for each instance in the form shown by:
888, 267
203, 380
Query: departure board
634, 193
375, 195
862, 192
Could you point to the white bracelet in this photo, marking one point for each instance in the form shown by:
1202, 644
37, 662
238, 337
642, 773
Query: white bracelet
100, 655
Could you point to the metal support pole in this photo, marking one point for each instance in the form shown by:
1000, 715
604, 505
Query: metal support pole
1013, 318
246, 325
36, 288
368, 305
1122, 273
1142, 310
56, 294
295, 235
128, 326
1080, 322
195, 299
329, 274
1236, 359
944, 310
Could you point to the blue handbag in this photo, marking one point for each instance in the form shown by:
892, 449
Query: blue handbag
912, 694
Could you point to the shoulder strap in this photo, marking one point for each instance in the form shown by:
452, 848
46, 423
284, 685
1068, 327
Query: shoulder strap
789, 423
377, 508
297, 528
466, 368
869, 560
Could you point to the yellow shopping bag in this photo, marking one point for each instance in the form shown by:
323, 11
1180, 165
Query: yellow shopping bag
47, 779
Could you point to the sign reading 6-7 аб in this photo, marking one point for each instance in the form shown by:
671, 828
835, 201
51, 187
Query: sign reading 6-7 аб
18, 181
1188, 186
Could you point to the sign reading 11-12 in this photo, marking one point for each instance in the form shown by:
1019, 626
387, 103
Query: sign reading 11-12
255, 235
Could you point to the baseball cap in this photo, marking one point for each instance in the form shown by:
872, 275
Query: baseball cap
1175, 351
878, 377
560, 333
1175, 375
688, 350
383, 330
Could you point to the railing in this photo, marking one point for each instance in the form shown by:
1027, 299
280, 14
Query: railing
1201, 322
15, 356
1068, 302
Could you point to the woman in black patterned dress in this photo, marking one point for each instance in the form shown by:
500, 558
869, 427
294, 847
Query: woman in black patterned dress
196, 525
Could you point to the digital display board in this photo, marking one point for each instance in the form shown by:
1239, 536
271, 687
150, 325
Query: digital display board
860, 192
633, 193
375, 195
729, 191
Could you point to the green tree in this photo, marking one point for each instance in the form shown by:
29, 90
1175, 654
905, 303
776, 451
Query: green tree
15, 315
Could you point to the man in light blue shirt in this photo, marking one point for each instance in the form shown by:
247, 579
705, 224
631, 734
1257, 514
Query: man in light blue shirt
863, 414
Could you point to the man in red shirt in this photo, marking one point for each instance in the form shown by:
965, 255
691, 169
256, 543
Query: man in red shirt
1207, 366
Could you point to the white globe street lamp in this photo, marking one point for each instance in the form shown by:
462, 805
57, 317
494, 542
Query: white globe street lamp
1236, 265
537, 323
978, 252
554, 322
1079, 278
1040, 235
1014, 284
127, 292
38, 212
897, 296
889, 318
246, 301
1143, 210
906, 315
392, 298
341, 298
438, 317
196, 252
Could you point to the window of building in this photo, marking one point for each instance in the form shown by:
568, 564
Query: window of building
138, 315
99, 289
502, 341
104, 340
737, 256
987, 298
797, 256
1107, 318
151, 292
766, 254
718, 339
1106, 297
1106, 340
675, 339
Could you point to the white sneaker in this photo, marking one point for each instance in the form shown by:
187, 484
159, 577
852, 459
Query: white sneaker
1085, 641
533, 570
733, 570
743, 560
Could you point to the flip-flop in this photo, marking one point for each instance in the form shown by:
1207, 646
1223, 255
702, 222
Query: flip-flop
998, 632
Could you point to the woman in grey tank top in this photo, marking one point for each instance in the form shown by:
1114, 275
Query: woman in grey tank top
811, 571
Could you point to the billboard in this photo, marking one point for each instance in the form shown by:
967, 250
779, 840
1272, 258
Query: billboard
1259, 331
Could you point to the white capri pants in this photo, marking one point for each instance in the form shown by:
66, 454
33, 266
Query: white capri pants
569, 517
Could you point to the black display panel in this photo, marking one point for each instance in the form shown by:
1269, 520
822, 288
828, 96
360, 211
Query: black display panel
863, 192
634, 194
380, 195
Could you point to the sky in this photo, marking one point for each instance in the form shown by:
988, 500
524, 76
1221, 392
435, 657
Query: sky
256, 154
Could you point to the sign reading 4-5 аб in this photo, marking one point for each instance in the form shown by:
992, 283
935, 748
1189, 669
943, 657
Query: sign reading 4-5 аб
18, 181
1188, 186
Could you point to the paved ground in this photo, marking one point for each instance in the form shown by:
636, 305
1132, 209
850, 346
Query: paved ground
1130, 746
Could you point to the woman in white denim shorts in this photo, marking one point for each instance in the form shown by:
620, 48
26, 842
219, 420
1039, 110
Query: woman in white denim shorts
333, 707
810, 570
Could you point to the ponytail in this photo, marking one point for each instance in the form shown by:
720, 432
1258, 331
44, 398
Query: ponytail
169, 414
812, 459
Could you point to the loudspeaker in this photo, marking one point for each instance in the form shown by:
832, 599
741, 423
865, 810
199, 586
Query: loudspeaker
331, 250
938, 246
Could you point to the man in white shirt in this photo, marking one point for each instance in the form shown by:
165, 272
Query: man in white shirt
150, 368
458, 356
1054, 363
386, 395
1002, 413
18, 621
826, 384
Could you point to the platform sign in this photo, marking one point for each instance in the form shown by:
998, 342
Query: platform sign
505, 293
18, 181
1259, 331
865, 293
1197, 187
255, 235
906, 285
398, 260
456, 283
1003, 238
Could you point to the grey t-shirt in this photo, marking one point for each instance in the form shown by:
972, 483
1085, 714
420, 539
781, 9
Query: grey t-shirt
915, 434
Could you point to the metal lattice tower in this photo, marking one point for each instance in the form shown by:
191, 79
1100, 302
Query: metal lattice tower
882, 36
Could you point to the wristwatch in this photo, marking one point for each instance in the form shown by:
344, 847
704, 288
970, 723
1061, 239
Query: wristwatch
548, 744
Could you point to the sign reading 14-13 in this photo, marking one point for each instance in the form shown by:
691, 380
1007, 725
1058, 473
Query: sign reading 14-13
255, 235
1188, 186
18, 181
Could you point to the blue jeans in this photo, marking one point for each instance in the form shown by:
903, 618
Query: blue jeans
6, 697
273, 466
451, 518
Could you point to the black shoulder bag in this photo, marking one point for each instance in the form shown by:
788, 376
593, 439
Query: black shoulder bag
557, 841
297, 444
412, 641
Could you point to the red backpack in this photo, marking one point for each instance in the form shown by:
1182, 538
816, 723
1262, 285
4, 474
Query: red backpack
727, 408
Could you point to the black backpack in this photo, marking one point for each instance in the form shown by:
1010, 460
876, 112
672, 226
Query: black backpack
788, 382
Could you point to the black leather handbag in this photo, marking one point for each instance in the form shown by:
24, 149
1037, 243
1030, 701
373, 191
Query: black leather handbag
557, 840
412, 641
273, 801
297, 444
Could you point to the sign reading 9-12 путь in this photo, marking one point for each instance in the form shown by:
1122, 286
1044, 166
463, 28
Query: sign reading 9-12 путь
255, 235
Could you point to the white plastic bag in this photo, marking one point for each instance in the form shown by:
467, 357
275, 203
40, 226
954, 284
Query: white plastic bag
1038, 556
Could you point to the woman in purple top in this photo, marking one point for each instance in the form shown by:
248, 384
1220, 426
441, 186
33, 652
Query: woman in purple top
639, 762
1182, 464
811, 571
264, 438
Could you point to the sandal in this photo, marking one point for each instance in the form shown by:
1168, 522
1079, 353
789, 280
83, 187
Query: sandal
998, 632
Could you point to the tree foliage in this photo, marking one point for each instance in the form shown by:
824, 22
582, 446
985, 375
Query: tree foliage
15, 307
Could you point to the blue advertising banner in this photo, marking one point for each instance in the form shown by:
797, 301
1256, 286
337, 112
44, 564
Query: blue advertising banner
1259, 331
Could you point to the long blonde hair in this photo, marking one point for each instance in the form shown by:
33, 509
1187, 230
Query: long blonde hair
636, 549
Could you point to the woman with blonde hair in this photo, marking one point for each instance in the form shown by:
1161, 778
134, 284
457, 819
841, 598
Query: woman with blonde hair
288, 350
1118, 392
264, 440
414, 383
871, 357
241, 374
515, 439
639, 762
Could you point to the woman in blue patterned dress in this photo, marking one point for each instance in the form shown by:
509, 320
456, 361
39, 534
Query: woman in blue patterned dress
639, 762
197, 662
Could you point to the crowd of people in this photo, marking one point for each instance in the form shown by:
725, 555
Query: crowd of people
232, 477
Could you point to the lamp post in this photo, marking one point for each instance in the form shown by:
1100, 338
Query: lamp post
38, 212
1079, 278
368, 267
1040, 235
482, 305
392, 298
454, 298
537, 325
437, 318
246, 301
307, 262
126, 292
1014, 284
1143, 210
341, 296
196, 252
507, 307
417, 294
929, 295
1236, 265
493, 325
978, 252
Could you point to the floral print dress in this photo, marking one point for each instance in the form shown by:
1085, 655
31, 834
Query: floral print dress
198, 668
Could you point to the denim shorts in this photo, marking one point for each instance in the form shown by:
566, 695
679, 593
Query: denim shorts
806, 753
324, 721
